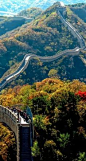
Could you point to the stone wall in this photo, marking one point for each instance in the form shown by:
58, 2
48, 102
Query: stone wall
74, 32
21, 131
7, 117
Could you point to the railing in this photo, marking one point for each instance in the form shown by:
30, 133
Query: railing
9, 113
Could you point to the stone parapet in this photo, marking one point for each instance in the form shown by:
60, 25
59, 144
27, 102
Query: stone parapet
22, 133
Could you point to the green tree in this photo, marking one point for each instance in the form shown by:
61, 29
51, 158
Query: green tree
52, 73
64, 140
39, 122
35, 150
82, 156
41, 104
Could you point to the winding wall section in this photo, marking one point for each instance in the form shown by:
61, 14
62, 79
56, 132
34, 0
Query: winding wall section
28, 57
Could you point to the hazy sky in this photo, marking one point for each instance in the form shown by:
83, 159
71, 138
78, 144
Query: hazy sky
16, 6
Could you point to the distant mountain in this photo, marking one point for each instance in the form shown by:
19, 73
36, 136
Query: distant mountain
8, 7
80, 11
31, 12
11, 23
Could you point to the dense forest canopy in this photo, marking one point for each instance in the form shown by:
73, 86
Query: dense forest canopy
7, 144
59, 114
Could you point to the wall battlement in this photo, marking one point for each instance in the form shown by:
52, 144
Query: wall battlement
20, 131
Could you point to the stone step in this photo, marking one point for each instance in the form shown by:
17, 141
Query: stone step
25, 150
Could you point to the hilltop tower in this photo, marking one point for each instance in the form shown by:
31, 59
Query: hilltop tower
61, 8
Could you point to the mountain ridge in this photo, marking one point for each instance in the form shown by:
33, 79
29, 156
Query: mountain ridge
45, 36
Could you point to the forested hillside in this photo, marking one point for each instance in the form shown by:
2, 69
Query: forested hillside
76, 16
79, 10
7, 144
45, 36
59, 117
10, 23
66, 67
31, 12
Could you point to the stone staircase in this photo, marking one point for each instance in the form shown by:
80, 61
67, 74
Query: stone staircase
25, 147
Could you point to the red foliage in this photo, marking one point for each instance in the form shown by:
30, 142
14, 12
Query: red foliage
81, 94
